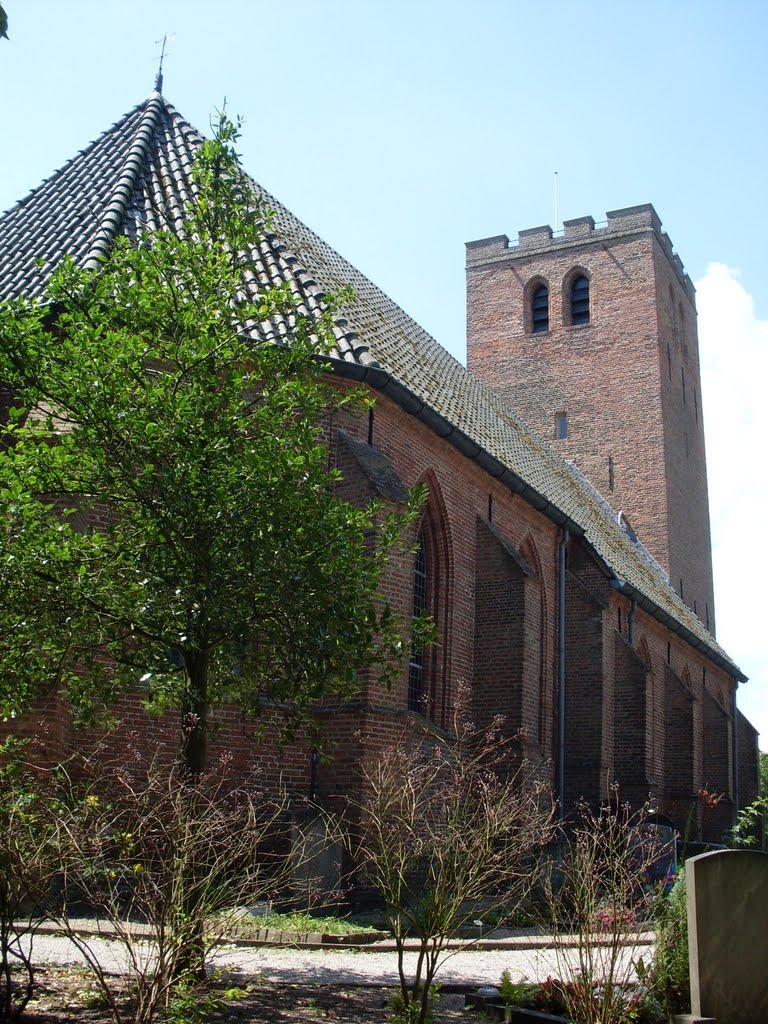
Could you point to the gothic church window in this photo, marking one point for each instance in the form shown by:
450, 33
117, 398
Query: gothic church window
416, 662
428, 666
580, 300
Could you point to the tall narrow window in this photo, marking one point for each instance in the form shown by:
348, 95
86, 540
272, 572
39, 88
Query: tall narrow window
540, 310
561, 425
580, 300
416, 663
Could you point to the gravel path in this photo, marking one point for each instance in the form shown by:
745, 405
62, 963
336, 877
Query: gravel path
331, 966
474, 967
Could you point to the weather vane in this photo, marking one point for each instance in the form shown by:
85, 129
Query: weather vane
166, 41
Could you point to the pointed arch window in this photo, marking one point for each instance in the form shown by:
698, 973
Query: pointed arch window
580, 300
416, 687
428, 666
540, 310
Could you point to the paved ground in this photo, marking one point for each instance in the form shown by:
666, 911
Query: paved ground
344, 966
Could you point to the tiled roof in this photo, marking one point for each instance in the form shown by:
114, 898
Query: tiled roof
142, 164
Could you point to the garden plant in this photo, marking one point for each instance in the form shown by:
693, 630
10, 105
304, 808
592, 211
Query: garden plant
448, 824
160, 856
598, 898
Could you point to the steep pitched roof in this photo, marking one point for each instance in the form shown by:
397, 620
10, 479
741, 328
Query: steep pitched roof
139, 171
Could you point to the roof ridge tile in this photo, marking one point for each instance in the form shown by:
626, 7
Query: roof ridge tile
112, 218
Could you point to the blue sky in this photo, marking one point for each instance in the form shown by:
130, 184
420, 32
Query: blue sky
400, 130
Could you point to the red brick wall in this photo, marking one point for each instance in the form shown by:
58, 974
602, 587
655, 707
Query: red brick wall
749, 771
679, 788
586, 768
717, 807
630, 723
497, 614
499, 632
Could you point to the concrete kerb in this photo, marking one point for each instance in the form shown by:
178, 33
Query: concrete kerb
519, 939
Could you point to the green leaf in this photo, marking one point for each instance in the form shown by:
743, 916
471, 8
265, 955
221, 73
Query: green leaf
174, 525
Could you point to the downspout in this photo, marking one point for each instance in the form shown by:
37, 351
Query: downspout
314, 761
561, 673
632, 614
735, 727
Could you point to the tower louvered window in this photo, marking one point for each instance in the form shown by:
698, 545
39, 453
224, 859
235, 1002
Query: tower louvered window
540, 310
580, 300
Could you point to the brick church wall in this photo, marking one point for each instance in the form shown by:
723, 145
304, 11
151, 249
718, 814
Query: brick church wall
497, 613
717, 810
680, 790
585, 768
748, 770
630, 723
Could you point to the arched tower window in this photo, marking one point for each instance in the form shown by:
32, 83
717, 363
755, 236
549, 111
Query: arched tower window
540, 310
580, 300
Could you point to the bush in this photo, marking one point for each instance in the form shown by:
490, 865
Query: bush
668, 975
596, 890
29, 863
447, 824
151, 844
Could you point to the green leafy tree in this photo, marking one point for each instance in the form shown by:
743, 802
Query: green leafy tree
170, 521
750, 828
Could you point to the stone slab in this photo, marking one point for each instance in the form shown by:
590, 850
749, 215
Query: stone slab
727, 929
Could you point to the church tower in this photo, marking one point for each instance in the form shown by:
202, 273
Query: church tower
590, 336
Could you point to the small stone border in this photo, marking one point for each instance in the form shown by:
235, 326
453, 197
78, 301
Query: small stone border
375, 942
276, 937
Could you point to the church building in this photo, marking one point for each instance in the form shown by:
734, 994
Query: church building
564, 550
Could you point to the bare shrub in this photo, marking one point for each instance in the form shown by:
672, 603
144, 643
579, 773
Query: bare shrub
447, 825
29, 862
162, 856
597, 897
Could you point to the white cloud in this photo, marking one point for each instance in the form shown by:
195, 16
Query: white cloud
734, 371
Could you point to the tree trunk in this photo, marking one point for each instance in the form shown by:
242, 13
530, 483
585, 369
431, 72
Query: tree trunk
194, 742
194, 751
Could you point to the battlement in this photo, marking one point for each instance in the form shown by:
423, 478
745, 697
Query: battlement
630, 220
